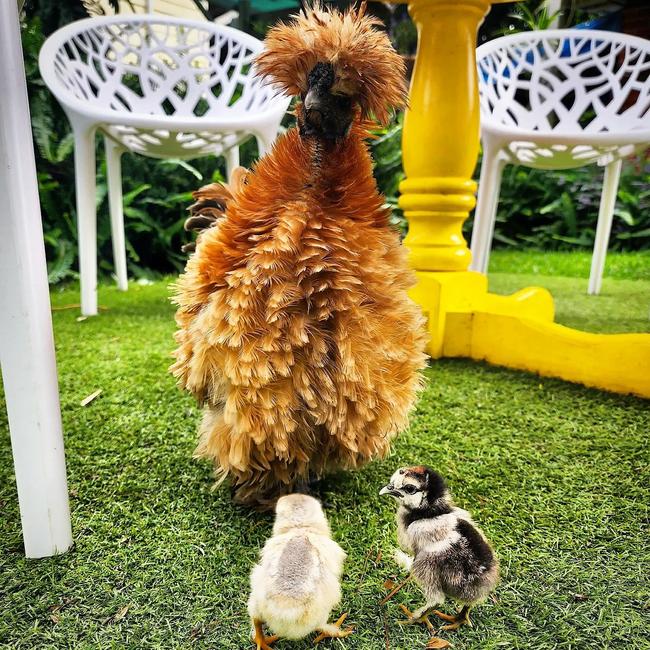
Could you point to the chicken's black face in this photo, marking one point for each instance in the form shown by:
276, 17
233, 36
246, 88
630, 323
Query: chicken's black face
327, 112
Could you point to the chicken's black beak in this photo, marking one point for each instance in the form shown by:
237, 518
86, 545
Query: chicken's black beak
389, 489
327, 116
314, 109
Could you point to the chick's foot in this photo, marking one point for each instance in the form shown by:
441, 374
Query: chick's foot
262, 642
420, 617
334, 631
462, 618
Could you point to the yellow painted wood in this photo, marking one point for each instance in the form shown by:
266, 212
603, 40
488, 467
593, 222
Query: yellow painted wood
615, 362
441, 133
440, 149
444, 293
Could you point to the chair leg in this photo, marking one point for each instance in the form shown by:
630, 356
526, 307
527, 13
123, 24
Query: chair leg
85, 181
263, 145
486, 208
114, 177
232, 161
604, 227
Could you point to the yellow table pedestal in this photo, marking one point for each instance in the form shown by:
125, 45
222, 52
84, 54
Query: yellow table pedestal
440, 149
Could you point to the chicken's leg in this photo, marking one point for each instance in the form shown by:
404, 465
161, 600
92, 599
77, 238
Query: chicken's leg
420, 616
333, 630
462, 618
262, 642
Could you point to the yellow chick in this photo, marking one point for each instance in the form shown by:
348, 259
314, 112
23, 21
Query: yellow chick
296, 583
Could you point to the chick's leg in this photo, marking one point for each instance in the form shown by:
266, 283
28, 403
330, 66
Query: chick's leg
418, 617
462, 618
262, 642
333, 630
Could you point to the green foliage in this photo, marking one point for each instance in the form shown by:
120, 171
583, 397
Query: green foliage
156, 192
404, 36
53, 14
559, 210
530, 17
386, 147
555, 210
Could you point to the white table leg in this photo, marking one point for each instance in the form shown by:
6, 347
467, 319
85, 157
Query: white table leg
26, 341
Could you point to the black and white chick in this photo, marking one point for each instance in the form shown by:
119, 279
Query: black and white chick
442, 548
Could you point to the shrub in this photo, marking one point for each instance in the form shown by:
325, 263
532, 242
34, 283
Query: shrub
537, 209
540, 209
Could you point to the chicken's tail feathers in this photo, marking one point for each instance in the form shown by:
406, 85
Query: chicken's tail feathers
211, 202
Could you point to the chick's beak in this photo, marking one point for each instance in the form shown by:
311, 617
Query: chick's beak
388, 489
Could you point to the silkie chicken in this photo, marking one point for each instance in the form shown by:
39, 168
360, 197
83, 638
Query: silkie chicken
296, 584
295, 329
445, 552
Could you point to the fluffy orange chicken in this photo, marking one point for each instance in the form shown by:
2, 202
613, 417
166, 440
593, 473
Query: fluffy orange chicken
295, 329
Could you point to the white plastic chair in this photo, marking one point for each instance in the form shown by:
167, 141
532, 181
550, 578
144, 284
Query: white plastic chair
559, 99
161, 87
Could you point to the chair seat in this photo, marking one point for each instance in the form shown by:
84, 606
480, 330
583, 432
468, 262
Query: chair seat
163, 143
555, 149
563, 155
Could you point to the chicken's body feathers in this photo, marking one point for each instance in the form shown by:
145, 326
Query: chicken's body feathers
296, 584
295, 329
451, 558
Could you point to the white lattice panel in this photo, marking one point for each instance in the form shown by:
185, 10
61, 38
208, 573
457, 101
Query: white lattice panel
181, 72
575, 96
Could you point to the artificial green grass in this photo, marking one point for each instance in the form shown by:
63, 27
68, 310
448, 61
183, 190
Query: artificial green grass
622, 306
618, 266
557, 475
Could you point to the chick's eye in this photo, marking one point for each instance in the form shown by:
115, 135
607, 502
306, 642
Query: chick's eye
410, 489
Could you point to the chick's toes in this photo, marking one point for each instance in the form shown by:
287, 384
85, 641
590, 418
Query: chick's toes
263, 642
414, 619
462, 618
334, 631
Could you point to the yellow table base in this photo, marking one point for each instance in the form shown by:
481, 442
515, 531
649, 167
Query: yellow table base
440, 147
518, 331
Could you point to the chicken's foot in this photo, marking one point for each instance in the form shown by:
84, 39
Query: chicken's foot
420, 617
262, 642
333, 630
462, 618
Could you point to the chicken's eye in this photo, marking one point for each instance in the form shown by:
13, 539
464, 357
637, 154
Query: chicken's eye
410, 489
343, 101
